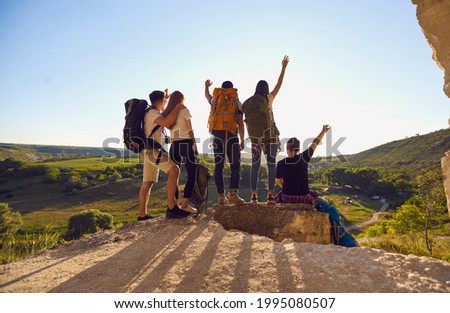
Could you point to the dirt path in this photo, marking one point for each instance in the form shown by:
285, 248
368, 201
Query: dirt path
374, 218
198, 255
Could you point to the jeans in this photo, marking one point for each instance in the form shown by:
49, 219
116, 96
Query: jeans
233, 151
184, 149
270, 150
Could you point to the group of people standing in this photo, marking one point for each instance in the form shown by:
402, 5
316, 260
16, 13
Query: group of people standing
226, 124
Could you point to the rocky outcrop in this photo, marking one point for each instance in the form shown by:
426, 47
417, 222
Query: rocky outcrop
198, 255
295, 221
445, 161
434, 18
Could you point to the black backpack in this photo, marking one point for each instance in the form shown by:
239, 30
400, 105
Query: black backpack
133, 131
199, 197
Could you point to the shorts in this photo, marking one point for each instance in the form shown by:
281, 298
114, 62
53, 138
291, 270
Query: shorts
151, 169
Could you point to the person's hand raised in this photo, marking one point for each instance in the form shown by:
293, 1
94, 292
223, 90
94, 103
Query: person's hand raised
285, 61
208, 83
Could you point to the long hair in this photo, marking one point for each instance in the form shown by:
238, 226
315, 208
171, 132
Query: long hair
262, 88
175, 98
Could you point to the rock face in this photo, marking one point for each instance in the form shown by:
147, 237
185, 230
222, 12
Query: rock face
278, 222
434, 18
445, 161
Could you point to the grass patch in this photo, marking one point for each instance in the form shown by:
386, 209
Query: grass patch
14, 248
410, 244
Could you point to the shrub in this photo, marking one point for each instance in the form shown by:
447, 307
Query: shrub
408, 218
115, 176
10, 221
75, 183
88, 222
10, 165
52, 175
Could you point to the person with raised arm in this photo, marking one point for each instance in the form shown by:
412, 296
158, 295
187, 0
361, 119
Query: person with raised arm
292, 172
263, 132
225, 124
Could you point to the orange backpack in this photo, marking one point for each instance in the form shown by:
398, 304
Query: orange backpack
224, 110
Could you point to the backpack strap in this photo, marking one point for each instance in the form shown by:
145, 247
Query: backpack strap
157, 126
154, 130
151, 134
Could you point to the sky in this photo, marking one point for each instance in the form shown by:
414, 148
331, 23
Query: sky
363, 67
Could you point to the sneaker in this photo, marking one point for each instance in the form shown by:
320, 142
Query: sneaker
254, 197
270, 198
176, 212
189, 209
146, 217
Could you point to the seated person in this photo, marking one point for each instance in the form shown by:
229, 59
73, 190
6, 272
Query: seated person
292, 173
292, 177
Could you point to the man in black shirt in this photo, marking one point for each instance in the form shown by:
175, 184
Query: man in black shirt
292, 172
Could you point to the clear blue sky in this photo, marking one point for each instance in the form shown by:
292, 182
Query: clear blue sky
364, 67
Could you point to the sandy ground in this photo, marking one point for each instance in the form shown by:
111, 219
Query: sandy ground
198, 255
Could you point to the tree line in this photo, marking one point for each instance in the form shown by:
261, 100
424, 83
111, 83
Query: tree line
371, 181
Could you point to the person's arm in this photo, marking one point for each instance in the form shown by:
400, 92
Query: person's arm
240, 122
170, 119
319, 137
241, 129
284, 64
166, 94
279, 174
279, 182
208, 96
191, 134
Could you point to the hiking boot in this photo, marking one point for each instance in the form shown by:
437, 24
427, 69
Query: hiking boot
176, 212
189, 209
270, 198
222, 199
254, 197
234, 197
146, 217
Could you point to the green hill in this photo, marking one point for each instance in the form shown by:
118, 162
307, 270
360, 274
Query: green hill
412, 155
33, 153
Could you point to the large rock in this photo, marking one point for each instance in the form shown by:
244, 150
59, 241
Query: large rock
434, 18
445, 161
279, 222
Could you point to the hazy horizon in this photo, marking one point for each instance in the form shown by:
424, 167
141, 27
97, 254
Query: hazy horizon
304, 146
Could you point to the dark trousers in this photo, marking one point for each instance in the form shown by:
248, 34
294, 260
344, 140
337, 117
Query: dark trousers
184, 149
226, 143
270, 150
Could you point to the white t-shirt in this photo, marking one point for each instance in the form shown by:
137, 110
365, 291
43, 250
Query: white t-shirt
179, 130
149, 124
